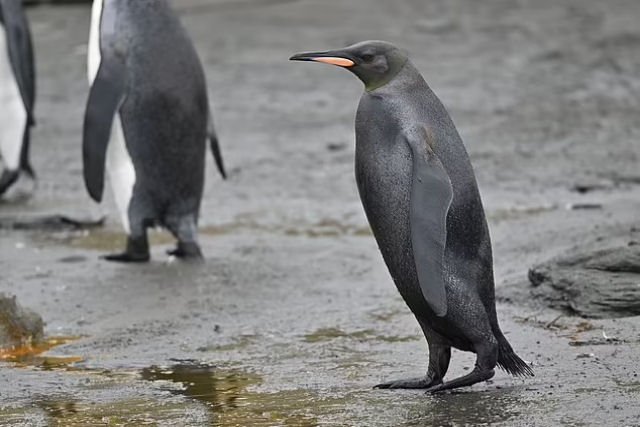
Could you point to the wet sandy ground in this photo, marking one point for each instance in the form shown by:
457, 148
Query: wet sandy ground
294, 318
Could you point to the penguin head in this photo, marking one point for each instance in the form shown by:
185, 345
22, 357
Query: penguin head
374, 62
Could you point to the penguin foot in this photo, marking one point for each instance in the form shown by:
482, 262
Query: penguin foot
7, 179
137, 251
127, 257
187, 251
411, 383
475, 376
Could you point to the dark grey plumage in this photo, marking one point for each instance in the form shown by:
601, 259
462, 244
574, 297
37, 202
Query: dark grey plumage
18, 35
150, 75
420, 196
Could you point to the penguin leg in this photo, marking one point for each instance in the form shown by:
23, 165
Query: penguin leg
486, 361
185, 229
439, 356
137, 247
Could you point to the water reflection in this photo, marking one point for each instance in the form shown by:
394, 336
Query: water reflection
217, 389
230, 402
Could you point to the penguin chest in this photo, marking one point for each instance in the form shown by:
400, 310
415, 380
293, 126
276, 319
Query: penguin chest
383, 175
122, 174
384, 178
13, 120
93, 49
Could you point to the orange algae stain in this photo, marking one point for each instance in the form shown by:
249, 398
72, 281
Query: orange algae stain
31, 354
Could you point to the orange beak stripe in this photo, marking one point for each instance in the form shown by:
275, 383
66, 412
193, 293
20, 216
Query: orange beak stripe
341, 62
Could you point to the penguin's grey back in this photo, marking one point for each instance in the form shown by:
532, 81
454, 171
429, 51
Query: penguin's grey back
165, 110
161, 56
19, 59
24, 68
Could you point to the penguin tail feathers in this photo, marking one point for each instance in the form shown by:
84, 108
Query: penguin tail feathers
217, 155
215, 148
509, 361
28, 169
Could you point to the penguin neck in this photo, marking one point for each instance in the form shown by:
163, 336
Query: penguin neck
387, 78
404, 80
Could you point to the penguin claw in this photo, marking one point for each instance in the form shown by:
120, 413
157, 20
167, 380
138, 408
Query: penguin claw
413, 383
476, 376
435, 389
187, 251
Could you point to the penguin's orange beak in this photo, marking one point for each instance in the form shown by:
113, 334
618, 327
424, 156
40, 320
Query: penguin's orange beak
334, 60
324, 57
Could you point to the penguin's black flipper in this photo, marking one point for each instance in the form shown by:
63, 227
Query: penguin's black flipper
215, 147
20, 52
105, 98
431, 195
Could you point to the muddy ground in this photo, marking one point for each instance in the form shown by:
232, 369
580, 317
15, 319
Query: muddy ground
294, 317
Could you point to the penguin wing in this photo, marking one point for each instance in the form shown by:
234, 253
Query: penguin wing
215, 147
105, 98
431, 195
20, 52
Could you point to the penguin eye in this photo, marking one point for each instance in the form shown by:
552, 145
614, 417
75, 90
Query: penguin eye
367, 57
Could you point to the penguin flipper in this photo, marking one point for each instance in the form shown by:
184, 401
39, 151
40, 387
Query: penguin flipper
431, 195
215, 147
105, 98
20, 52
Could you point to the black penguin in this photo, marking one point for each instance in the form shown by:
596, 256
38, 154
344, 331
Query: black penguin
148, 103
17, 93
421, 199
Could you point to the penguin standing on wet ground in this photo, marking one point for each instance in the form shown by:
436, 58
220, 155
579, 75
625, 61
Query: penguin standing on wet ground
17, 93
420, 196
148, 120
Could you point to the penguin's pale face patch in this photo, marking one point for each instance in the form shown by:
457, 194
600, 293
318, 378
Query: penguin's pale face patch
373, 62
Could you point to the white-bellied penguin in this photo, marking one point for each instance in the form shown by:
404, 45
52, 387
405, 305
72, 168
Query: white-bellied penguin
17, 93
148, 120
421, 199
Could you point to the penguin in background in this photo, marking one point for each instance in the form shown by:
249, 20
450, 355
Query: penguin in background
17, 93
147, 121
421, 198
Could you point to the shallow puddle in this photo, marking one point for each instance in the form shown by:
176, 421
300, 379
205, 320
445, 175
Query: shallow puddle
91, 235
328, 334
518, 212
107, 240
204, 395
31, 355
50, 222
215, 397
322, 228
113, 240
231, 403
130, 413
239, 342
217, 389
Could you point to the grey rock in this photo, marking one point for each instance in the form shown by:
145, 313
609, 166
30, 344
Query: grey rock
18, 326
600, 284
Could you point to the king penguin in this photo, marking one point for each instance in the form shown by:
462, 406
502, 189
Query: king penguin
147, 119
421, 199
17, 93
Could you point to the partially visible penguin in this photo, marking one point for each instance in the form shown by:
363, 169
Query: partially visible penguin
148, 120
421, 199
17, 93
